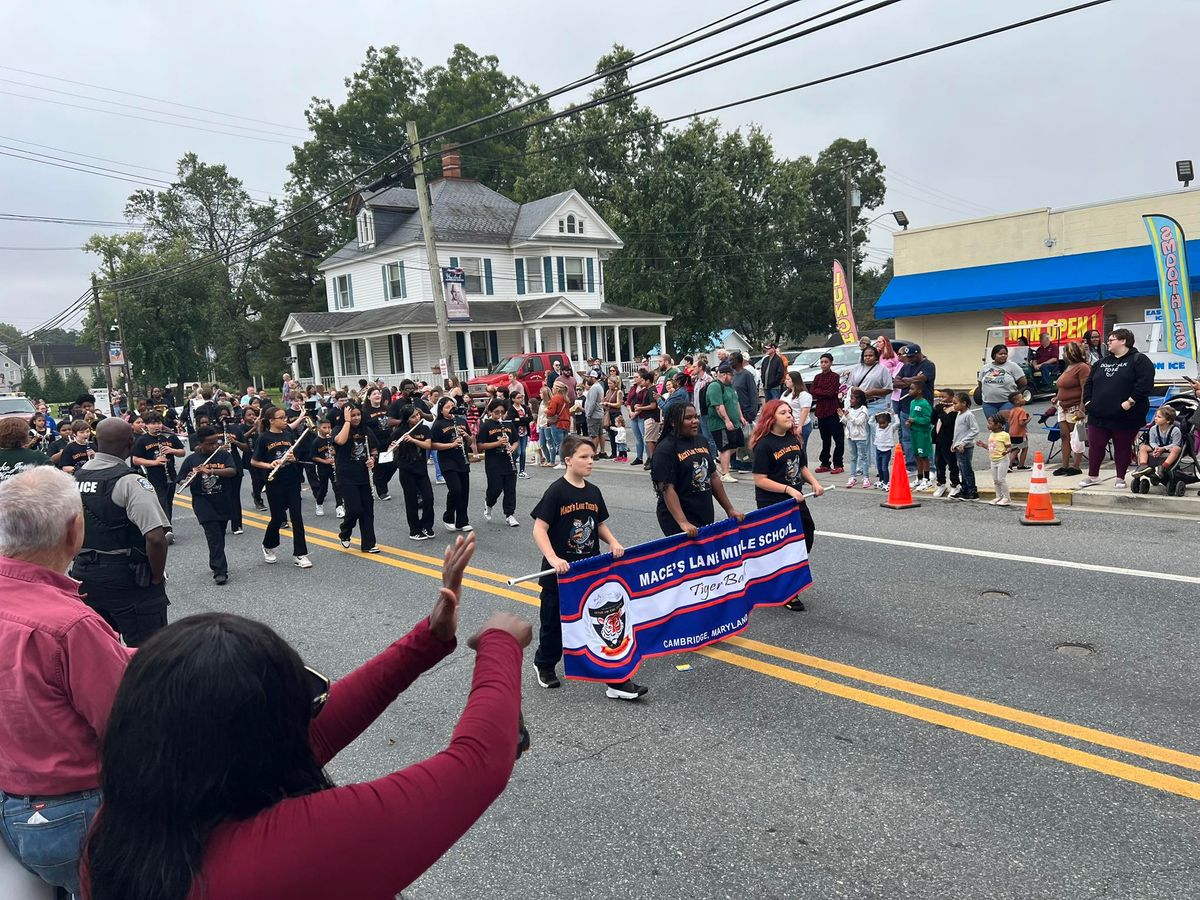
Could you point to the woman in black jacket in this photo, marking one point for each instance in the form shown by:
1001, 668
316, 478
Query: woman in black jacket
1116, 399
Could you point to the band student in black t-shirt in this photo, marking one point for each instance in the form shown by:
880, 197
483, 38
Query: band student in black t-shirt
375, 419
685, 475
498, 440
274, 452
212, 495
355, 449
322, 473
781, 468
450, 438
414, 443
155, 452
568, 524
240, 447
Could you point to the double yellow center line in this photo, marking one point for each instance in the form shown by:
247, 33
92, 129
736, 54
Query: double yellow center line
801, 665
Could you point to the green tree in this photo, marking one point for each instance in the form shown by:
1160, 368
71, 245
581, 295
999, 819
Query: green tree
30, 386
73, 385
54, 389
868, 288
17, 341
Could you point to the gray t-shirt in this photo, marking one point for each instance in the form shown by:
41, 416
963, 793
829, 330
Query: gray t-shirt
747, 391
869, 378
134, 494
999, 381
593, 403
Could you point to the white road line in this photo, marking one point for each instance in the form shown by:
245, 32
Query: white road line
1013, 557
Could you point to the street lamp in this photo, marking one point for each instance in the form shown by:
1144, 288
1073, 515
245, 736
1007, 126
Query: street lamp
898, 214
1184, 171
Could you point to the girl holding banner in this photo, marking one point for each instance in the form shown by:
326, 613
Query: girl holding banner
781, 469
685, 475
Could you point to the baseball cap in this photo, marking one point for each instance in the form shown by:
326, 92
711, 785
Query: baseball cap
724, 367
910, 349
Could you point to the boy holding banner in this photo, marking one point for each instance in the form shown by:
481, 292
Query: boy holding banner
568, 524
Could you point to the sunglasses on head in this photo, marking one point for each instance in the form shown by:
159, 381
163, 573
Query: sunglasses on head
318, 687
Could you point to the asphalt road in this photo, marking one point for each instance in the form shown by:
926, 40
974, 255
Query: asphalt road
915, 733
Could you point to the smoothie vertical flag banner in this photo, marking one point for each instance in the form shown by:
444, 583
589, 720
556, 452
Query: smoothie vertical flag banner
843, 310
676, 594
1174, 290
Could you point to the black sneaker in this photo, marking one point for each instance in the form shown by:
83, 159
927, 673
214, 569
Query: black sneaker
221, 578
371, 550
260, 507
546, 677
1060, 471
636, 462
429, 533
795, 605
626, 690
344, 541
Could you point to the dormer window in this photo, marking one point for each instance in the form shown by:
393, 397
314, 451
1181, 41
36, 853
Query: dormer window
570, 224
562, 226
581, 226
366, 229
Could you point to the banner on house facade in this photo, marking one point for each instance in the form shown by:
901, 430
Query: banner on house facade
843, 308
1174, 290
677, 593
1063, 325
454, 287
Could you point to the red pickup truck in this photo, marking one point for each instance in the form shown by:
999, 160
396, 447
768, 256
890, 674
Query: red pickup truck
529, 368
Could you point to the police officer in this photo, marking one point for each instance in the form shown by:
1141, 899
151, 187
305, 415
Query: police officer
124, 555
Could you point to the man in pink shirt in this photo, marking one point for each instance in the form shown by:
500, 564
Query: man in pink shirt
62, 667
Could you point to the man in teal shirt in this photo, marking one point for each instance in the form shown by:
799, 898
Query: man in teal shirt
724, 418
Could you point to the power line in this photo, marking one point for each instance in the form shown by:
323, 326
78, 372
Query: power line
66, 220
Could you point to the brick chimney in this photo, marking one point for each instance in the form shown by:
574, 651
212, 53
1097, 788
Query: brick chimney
451, 162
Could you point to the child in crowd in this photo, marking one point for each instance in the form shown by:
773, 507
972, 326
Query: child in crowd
943, 436
79, 447
1018, 430
920, 424
998, 444
619, 437
568, 524
1161, 444
856, 419
966, 429
885, 445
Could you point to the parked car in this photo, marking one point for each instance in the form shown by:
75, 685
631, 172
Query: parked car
530, 369
16, 406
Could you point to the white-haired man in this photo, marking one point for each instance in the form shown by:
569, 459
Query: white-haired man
62, 668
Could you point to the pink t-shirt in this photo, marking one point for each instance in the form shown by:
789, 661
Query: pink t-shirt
894, 365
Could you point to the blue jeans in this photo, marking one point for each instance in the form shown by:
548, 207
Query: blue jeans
990, 409
883, 461
910, 461
707, 432
639, 432
859, 460
51, 849
773, 393
874, 407
965, 473
556, 439
437, 467
544, 443
804, 433
523, 446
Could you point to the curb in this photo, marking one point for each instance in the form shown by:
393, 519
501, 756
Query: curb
1178, 506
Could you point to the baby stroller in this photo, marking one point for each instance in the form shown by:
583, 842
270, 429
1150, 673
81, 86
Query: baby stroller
1186, 470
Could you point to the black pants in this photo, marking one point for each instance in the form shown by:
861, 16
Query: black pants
832, 432
360, 511
235, 514
418, 500
283, 498
214, 534
109, 588
165, 492
501, 479
805, 518
320, 477
258, 480
458, 495
549, 650
944, 460
383, 473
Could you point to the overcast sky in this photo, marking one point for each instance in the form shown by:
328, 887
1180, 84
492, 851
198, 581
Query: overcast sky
1088, 107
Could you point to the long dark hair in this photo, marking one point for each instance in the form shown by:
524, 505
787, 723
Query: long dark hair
674, 419
210, 725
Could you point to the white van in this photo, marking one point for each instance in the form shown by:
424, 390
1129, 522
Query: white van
1168, 367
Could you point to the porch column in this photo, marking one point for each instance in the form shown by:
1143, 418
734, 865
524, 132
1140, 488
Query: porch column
370, 363
406, 346
470, 360
537, 340
662, 337
316, 363
524, 340
632, 352
338, 375
617, 344
295, 354
582, 349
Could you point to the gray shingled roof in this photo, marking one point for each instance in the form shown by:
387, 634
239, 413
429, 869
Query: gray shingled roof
392, 198
533, 214
59, 355
483, 312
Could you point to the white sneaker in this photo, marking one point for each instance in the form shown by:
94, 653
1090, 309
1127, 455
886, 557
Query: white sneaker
340, 512
467, 528
956, 490
522, 474
512, 522
882, 485
303, 562
320, 510
852, 482
941, 491
268, 555
559, 466
1004, 502
729, 479
450, 526
487, 513
994, 502
1088, 482
1120, 484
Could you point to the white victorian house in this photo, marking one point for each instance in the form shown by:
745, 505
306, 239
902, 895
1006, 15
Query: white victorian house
534, 282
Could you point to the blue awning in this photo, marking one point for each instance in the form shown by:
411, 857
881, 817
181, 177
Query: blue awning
1056, 281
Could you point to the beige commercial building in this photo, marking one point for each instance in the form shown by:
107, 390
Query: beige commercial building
954, 281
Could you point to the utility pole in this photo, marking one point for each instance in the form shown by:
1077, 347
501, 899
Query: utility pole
124, 346
100, 335
849, 237
435, 269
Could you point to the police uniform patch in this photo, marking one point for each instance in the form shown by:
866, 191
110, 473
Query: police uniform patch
146, 485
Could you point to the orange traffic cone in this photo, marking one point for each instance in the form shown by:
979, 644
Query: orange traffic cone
899, 491
1039, 510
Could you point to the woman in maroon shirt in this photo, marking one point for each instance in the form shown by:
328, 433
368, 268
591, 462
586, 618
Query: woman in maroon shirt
211, 768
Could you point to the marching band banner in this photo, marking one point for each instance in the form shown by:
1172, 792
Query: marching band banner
843, 311
676, 594
1174, 291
